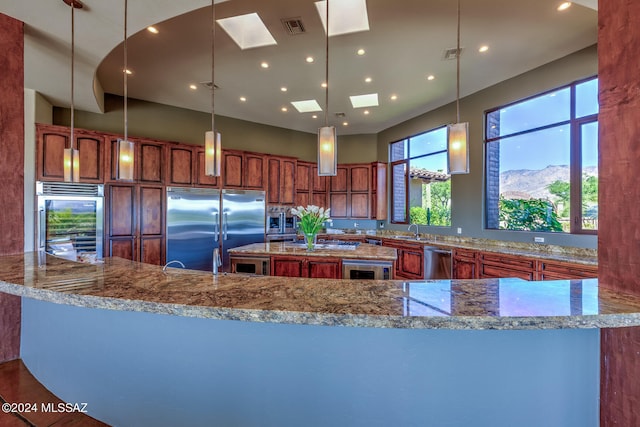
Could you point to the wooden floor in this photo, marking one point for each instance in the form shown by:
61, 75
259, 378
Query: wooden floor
17, 385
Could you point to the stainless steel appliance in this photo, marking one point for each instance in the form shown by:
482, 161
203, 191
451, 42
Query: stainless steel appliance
281, 223
437, 263
200, 220
365, 269
250, 264
70, 219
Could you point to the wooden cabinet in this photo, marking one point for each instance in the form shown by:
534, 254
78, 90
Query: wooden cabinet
255, 172
557, 270
243, 170
378, 190
465, 264
180, 164
410, 262
493, 265
135, 222
281, 187
311, 189
202, 179
309, 267
232, 164
355, 191
50, 145
149, 160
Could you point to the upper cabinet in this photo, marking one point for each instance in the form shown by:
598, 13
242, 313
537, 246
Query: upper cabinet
352, 191
243, 170
51, 142
311, 189
148, 160
281, 180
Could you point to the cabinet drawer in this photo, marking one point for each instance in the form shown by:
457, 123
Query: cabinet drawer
510, 262
465, 254
560, 270
488, 271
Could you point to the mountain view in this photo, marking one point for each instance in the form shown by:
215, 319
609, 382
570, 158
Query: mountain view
526, 183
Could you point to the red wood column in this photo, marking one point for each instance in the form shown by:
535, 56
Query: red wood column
619, 200
11, 171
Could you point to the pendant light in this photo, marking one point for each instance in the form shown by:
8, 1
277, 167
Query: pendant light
458, 133
212, 143
125, 149
71, 160
327, 139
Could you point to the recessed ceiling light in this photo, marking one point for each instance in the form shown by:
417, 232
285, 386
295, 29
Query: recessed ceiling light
283, 89
324, 84
347, 16
361, 52
243, 99
284, 109
393, 97
307, 106
345, 123
368, 79
193, 87
309, 59
483, 48
247, 31
366, 112
368, 100
431, 77
315, 116
564, 6
152, 29
128, 71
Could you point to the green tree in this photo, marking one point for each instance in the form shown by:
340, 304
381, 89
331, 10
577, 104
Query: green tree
562, 190
529, 215
441, 203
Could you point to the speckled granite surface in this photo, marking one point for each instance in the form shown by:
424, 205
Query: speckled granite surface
459, 304
363, 251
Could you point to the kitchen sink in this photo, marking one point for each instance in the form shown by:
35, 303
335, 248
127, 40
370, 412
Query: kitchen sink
405, 237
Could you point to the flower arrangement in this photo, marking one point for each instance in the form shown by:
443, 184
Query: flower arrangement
311, 219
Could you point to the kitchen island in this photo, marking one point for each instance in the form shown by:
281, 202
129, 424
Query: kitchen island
147, 347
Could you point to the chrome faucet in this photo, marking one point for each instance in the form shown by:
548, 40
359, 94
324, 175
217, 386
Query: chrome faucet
417, 232
172, 262
217, 262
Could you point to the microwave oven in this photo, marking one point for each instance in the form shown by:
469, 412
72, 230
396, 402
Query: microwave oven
280, 220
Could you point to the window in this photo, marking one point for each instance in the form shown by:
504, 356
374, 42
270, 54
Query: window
421, 189
541, 157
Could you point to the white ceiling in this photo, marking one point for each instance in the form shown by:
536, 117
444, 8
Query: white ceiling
405, 44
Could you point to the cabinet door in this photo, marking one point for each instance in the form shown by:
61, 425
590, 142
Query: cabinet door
152, 250
255, 171
202, 178
273, 187
338, 205
339, 181
287, 181
232, 163
287, 267
360, 177
464, 268
303, 172
322, 269
91, 150
121, 210
122, 248
412, 263
51, 145
180, 166
302, 199
553, 270
320, 199
359, 203
319, 183
151, 211
151, 160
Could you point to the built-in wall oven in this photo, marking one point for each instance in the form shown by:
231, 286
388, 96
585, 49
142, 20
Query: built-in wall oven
281, 224
364, 269
70, 219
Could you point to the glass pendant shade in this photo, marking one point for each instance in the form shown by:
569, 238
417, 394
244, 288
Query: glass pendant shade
212, 153
327, 151
71, 165
458, 148
124, 170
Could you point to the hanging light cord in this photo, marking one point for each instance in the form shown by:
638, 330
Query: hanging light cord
326, 72
213, 66
73, 34
458, 70
126, 121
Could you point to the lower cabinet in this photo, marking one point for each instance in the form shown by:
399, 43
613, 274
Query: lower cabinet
135, 223
556, 270
410, 263
497, 265
310, 267
465, 264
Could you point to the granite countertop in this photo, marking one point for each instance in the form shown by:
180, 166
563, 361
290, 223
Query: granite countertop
118, 284
363, 251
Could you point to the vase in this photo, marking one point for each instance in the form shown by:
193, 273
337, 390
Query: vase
310, 239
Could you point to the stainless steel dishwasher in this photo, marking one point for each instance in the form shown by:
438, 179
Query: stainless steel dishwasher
437, 263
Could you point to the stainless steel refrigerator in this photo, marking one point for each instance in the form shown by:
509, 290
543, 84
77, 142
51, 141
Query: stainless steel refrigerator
201, 219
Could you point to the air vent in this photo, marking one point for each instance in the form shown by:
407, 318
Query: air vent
68, 189
452, 53
341, 115
208, 85
294, 26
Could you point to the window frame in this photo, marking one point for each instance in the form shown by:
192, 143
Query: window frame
575, 153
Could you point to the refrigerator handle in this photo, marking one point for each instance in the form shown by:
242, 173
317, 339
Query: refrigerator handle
42, 232
225, 223
216, 227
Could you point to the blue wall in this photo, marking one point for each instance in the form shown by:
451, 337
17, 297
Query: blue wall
142, 369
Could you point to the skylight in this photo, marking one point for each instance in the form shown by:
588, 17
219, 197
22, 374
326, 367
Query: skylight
307, 106
248, 31
361, 101
347, 16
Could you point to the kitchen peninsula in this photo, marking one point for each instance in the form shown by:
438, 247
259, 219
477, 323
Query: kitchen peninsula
143, 346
